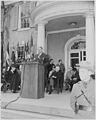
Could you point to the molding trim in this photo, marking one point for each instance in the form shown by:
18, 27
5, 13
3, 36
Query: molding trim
49, 9
66, 30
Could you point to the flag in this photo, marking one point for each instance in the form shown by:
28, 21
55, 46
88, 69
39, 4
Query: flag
28, 46
8, 47
7, 56
25, 46
2, 54
31, 43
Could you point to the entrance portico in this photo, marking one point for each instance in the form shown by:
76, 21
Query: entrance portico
68, 18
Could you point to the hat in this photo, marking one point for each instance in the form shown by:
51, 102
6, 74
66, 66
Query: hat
86, 65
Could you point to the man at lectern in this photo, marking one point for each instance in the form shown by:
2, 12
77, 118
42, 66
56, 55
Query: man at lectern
43, 58
40, 57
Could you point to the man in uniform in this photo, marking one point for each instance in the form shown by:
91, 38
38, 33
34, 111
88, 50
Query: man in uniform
83, 93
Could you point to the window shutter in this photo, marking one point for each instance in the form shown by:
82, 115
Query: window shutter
15, 17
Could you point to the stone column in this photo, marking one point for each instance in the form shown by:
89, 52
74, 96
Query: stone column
41, 35
90, 38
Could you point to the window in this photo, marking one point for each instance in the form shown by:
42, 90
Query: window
74, 58
24, 15
77, 56
25, 10
77, 52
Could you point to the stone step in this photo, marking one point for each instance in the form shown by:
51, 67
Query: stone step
66, 113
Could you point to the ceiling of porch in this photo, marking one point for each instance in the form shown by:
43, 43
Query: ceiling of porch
68, 22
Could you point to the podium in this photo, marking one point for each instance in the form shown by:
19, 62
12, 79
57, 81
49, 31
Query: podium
32, 77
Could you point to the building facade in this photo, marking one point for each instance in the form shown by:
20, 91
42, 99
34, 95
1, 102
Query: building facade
64, 29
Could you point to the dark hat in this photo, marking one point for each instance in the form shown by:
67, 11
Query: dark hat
13, 65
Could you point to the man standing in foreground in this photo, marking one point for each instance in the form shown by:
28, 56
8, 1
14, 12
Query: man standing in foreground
83, 93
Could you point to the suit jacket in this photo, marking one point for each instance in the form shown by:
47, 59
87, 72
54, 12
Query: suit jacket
43, 58
62, 67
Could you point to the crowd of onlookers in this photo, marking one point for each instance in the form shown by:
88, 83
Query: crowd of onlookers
54, 77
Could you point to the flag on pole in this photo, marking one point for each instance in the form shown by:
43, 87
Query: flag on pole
2, 54
27, 46
31, 44
7, 56
31, 47
8, 47
31, 41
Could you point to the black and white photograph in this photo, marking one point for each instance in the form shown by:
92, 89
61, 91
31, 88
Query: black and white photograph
48, 59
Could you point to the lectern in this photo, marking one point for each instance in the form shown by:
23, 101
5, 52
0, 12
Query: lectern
32, 80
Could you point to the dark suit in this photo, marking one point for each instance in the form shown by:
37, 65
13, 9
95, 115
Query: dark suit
40, 58
44, 59
62, 69
57, 80
15, 81
75, 78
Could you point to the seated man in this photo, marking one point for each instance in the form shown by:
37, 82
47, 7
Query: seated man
15, 79
74, 78
68, 78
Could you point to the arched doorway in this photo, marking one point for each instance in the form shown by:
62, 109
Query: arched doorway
75, 51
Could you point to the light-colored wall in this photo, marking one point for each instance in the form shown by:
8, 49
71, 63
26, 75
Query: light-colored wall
15, 34
56, 43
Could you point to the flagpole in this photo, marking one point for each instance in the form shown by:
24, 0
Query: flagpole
2, 7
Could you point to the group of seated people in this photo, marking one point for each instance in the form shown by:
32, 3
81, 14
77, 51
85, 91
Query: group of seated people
72, 77
11, 79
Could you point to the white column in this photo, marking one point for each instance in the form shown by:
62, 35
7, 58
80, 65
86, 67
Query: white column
41, 35
90, 39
